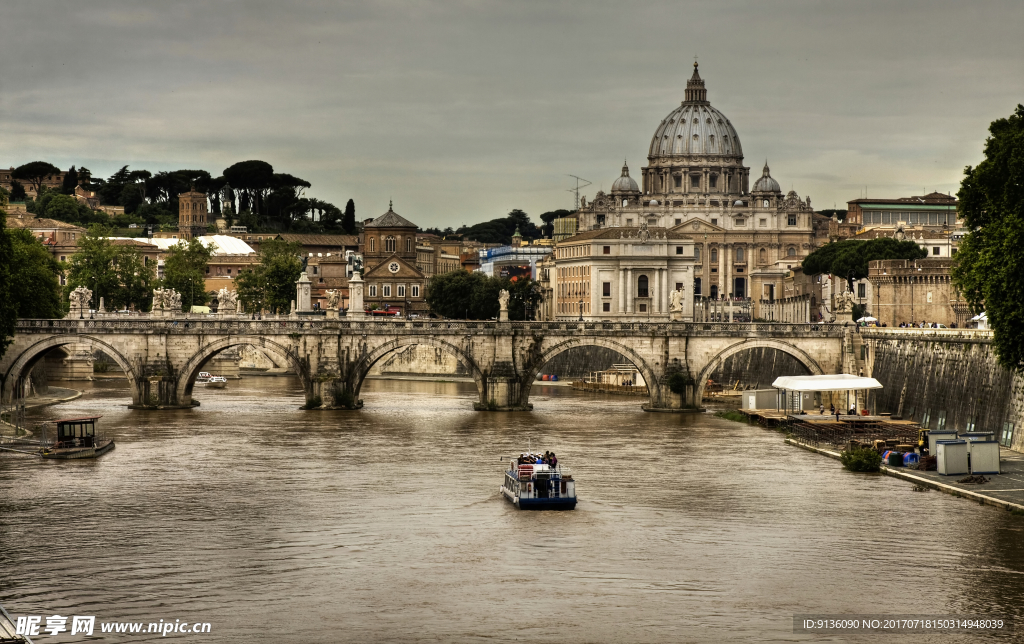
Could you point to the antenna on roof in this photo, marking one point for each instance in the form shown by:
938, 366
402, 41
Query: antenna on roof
576, 190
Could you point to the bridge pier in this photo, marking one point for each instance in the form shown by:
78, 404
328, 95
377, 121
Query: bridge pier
503, 391
330, 391
158, 392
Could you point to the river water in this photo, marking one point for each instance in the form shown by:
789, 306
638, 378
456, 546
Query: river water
386, 525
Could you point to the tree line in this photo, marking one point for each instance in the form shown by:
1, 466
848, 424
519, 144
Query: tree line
256, 197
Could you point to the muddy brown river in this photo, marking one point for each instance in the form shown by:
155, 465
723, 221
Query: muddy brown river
386, 525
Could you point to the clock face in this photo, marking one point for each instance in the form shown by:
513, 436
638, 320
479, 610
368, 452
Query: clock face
393, 267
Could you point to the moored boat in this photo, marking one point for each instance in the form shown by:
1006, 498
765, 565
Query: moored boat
76, 438
538, 486
203, 377
217, 382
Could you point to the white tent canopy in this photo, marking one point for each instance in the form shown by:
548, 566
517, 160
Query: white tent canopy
827, 382
983, 317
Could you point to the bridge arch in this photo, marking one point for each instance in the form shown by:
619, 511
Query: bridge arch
188, 373
28, 358
785, 347
366, 362
645, 369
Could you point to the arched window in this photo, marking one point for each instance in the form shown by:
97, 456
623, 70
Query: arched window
791, 252
641, 286
373, 244
714, 254
389, 244
762, 256
625, 202
408, 244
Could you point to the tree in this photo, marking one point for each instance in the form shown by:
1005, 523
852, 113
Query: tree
348, 221
34, 173
464, 295
134, 278
185, 271
548, 218
500, 231
8, 308
989, 266
35, 282
271, 284
254, 179
93, 265
70, 181
18, 191
849, 258
60, 207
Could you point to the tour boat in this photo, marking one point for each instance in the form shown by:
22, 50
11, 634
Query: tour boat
536, 486
203, 377
76, 438
217, 382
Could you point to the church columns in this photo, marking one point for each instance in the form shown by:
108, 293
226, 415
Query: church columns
721, 270
622, 291
629, 290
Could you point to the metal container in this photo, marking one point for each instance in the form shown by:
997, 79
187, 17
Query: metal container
935, 435
984, 457
951, 457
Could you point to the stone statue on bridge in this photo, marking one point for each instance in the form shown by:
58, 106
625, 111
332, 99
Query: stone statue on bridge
676, 305
81, 299
333, 298
844, 302
503, 296
166, 299
228, 300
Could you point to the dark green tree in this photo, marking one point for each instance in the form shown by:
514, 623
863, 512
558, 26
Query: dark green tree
500, 231
35, 281
93, 265
253, 180
989, 264
18, 191
848, 259
70, 181
185, 271
270, 286
35, 173
461, 294
348, 220
549, 217
8, 307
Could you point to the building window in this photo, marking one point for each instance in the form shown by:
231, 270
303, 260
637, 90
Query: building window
763, 223
714, 222
387, 290
643, 308
641, 286
696, 253
679, 181
739, 254
606, 289
791, 220
740, 221
678, 221
713, 181
861, 291
679, 250
762, 256
415, 290
373, 290
408, 244
694, 180
629, 222
790, 252
314, 270
229, 271
63, 281
714, 254
606, 306
401, 290
935, 250
679, 286
64, 258
207, 270
373, 244
389, 244
607, 250
696, 286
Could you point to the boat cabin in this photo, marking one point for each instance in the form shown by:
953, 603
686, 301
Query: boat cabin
76, 432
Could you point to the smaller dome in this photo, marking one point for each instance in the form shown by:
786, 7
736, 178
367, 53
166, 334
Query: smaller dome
654, 202
625, 183
766, 183
738, 202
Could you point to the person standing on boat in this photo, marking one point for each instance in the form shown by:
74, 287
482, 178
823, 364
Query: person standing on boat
553, 461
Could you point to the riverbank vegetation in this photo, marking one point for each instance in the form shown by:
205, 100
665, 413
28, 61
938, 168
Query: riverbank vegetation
861, 460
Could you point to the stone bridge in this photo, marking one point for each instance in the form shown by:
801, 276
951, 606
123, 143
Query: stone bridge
162, 357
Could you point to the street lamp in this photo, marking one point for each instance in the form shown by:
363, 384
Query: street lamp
94, 296
581, 309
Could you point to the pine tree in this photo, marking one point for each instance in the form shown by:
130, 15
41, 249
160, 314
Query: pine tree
348, 221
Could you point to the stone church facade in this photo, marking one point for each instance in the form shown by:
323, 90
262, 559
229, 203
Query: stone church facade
745, 237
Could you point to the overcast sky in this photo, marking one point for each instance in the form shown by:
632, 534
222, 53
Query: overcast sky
463, 110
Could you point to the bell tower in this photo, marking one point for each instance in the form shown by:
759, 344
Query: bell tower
191, 214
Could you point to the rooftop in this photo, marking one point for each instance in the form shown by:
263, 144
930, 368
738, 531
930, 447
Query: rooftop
225, 245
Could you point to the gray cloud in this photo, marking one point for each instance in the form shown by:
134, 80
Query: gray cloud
461, 111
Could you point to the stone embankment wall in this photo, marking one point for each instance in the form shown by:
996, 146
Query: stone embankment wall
419, 359
757, 368
937, 373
